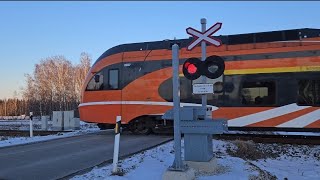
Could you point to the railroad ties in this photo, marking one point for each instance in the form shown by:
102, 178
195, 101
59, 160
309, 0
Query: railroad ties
19, 133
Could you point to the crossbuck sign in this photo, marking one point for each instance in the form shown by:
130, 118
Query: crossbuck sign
206, 36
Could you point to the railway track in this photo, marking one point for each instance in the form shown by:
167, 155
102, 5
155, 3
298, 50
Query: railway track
232, 135
270, 129
268, 135
14, 133
272, 138
262, 137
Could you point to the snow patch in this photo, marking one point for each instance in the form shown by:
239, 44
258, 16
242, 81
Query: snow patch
292, 162
5, 141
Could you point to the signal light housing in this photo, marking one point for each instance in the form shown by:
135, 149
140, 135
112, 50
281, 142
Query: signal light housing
191, 68
213, 67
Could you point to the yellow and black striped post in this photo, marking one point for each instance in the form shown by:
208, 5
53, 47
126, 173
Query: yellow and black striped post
31, 124
118, 125
116, 145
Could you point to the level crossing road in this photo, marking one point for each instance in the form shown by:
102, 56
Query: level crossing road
59, 158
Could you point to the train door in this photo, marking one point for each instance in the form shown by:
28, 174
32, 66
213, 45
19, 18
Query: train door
136, 85
114, 85
142, 76
113, 88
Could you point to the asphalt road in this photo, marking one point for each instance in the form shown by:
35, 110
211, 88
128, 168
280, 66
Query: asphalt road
61, 157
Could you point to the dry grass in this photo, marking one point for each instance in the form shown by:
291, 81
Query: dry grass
317, 155
263, 175
249, 150
120, 172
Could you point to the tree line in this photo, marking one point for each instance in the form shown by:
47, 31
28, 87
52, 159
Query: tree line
54, 85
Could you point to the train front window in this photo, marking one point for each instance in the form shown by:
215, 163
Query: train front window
113, 79
258, 93
309, 92
96, 82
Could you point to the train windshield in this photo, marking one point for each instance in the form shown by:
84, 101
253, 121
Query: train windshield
96, 83
107, 79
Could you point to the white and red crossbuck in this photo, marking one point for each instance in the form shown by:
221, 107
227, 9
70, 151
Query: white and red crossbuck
205, 36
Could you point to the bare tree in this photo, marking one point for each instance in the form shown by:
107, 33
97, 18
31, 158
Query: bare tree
55, 84
81, 71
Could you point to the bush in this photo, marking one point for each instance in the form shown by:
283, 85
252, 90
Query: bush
2, 138
246, 150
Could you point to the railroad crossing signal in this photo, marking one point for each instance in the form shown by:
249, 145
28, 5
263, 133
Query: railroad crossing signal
205, 36
198, 146
213, 67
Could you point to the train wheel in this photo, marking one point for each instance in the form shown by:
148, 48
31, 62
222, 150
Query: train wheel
102, 126
140, 126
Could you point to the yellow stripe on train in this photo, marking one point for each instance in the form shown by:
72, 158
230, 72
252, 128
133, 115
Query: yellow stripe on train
273, 70
270, 70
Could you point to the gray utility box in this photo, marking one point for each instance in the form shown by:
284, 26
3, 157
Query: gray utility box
197, 125
57, 120
198, 147
44, 122
70, 122
65, 120
190, 113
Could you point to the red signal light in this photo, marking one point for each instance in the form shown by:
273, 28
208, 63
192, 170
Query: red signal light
192, 68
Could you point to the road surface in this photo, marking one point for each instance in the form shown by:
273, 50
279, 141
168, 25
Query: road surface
59, 158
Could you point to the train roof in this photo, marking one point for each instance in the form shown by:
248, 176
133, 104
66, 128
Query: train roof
259, 37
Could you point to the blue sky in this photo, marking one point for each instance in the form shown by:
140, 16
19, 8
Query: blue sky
30, 31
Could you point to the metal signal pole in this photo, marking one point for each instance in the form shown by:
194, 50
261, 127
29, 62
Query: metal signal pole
177, 164
203, 58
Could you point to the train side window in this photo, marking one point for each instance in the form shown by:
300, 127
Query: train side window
113, 79
309, 92
96, 82
258, 93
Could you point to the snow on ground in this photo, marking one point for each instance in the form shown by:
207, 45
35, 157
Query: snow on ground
85, 128
236, 160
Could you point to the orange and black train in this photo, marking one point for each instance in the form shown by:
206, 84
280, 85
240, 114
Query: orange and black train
271, 79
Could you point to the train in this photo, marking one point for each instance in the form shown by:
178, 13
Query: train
271, 80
